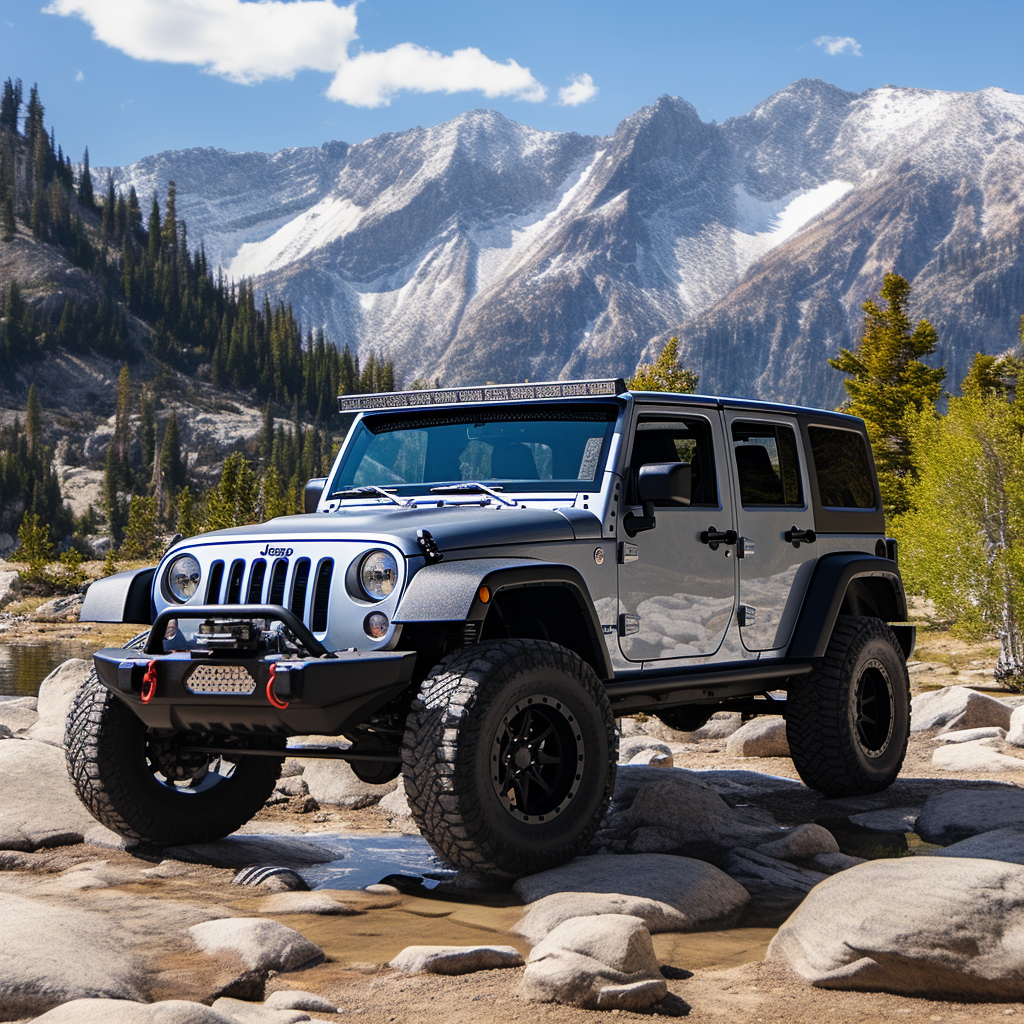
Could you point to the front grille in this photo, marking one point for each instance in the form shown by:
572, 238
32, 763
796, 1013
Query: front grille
289, 585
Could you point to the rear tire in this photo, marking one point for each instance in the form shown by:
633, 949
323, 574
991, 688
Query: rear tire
509, 757
848, 722
140, 785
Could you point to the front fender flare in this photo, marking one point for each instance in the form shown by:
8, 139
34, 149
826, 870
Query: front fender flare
450, 592
123, 597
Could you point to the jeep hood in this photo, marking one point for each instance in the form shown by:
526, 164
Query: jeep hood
453, 527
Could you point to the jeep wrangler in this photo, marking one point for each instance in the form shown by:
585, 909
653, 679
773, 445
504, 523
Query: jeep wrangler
488, 579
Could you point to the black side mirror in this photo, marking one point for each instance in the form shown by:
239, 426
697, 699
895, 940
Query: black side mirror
314, 488
664, 483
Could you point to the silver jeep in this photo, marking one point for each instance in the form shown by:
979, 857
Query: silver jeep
487, 580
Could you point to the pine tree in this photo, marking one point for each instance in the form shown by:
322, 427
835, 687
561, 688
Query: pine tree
85, 196
171, 461
33, 422
888, 384
34, 546
666, 373
141, 539
147, 429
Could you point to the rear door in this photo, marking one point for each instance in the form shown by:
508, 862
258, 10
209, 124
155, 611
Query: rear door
777, 550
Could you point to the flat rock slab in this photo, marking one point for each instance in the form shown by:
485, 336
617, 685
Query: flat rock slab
704, 895
763, 737
456, 959
53, 955
56, 692
298, 999
991, 732
975, 756
117, 1011
244, 1012
598, 962
757, 872
921, 926
891, 819
39, 806
957, 707
18, 714
1005, 844
318, 902
240, 851
949, 817
261, 944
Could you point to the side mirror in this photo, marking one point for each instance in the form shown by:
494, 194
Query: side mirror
314, 488
664, 483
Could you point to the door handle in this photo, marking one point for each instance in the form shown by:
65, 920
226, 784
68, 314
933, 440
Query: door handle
795, 536
713, 537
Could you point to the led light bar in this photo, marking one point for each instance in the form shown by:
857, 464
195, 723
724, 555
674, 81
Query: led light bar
487, 393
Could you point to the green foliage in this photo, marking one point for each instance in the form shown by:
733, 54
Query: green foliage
888, 384
142, 538
963, 542
70, 575
233, 501
34, 546
186, 522
110, 563
666, 373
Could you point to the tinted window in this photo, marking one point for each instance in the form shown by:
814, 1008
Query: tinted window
844, 471
677, 440
767, 464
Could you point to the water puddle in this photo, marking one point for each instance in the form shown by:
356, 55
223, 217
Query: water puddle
367, 859
872, 844
24, 666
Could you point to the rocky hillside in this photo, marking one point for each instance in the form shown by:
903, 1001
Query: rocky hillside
483, 249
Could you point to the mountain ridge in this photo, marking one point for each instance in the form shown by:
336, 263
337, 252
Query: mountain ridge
482, 249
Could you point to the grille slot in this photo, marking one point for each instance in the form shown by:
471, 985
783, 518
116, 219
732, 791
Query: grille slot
234, 595
300, 583
213, 586
278, 575
256, 577
322, 595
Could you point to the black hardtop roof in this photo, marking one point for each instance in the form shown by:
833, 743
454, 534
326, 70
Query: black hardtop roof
558, 392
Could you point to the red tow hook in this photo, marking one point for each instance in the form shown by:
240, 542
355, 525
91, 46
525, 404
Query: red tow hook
149, 683
271, 696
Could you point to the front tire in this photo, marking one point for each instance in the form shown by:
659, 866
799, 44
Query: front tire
141, 785
509, 757
848, 722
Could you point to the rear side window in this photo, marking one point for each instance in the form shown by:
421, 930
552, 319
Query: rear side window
844, 471
767, 465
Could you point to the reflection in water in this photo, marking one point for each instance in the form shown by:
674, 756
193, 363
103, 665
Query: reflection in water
24, 666
365, 859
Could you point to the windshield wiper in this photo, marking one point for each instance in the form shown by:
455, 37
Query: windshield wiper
472, 487
369, 490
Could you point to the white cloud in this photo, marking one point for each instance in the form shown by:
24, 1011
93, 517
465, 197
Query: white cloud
835, 45
79, 75
249, 42
580, 90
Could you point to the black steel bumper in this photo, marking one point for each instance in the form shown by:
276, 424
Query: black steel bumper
291, 696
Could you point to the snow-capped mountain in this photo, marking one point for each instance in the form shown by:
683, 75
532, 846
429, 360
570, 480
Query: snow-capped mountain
482, 249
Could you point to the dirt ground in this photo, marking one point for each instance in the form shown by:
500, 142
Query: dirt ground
712, 976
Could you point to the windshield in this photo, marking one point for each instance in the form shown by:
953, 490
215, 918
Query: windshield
561, 448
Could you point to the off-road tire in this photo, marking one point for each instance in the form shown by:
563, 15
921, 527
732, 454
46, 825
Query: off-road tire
105, 748
848, 722
471, 711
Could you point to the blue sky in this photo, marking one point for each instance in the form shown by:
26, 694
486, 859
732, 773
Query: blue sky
133, 77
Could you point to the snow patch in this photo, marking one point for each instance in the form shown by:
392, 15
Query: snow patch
331, 218
762, 225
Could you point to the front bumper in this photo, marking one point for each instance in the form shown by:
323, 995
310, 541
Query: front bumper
290, 696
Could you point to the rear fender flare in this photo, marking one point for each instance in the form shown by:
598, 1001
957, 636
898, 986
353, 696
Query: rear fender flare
864, 583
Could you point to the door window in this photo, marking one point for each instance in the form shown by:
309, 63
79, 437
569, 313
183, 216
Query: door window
767, 465
682, 440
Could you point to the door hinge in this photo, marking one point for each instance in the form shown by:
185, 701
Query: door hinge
628, 553
629, 624
747, 615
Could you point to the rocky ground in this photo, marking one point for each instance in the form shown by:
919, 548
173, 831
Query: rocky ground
718, 888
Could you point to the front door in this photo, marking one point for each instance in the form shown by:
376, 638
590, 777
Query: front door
776, 552
677, 593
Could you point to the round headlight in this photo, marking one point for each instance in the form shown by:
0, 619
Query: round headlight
378, 574
183, 576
